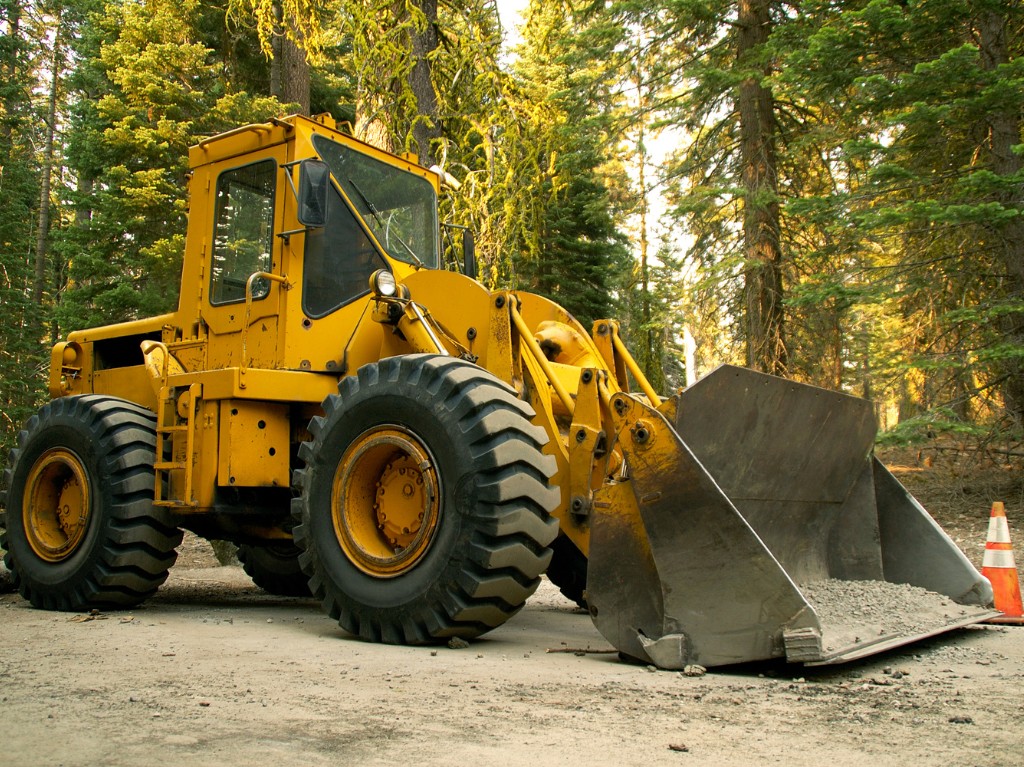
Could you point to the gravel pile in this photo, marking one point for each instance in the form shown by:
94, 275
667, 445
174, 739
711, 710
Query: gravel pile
858, 612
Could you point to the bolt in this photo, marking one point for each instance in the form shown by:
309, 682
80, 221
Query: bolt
602, 329
641, 435
499, 301
587, 377
581, 435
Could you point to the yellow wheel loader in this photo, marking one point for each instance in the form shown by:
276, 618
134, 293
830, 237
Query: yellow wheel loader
337, 394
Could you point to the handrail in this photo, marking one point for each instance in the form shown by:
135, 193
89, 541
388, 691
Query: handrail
278, 278
257, 127
633, 367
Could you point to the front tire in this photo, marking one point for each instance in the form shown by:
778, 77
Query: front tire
424, 506
82, 531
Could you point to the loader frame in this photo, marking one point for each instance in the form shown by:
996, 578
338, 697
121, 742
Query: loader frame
701, 523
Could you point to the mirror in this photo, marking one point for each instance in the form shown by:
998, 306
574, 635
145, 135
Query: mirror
468, 254
314, 182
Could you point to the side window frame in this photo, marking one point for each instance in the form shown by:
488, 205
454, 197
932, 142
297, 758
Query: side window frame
227, 282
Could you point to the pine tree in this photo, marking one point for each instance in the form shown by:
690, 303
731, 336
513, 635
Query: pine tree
934, 98
713, 82
22, 355
572, 251
149, 88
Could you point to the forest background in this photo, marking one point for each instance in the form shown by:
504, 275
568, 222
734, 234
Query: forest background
830, 190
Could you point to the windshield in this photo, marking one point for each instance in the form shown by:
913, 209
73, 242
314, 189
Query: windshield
399, 207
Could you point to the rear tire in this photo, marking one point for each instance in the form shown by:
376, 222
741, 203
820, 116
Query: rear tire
275, 568
82, 531
424, 506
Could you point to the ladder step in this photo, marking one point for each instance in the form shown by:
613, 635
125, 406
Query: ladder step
175, 504
169, 426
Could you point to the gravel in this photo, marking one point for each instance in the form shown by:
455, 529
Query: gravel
858, 612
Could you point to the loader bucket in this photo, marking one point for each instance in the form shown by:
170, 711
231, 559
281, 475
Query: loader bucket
755, 523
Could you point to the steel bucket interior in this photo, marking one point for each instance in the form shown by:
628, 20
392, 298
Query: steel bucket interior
772, 531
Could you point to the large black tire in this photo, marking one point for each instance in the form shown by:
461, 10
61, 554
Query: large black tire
275, 568
568, 570
457, 445
82, 531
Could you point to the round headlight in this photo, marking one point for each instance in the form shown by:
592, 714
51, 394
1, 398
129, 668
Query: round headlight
382, 283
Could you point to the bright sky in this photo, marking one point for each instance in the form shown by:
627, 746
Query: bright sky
511, 12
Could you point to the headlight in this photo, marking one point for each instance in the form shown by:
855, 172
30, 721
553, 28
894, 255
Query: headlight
382, 283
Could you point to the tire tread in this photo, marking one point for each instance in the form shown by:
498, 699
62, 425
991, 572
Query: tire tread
513, 528
139, 543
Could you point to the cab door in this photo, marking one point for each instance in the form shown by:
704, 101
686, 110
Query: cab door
243, 312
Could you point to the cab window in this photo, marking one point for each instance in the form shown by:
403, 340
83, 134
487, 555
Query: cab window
399, 207
243, 231
338, 262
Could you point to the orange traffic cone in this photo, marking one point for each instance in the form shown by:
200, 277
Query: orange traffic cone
999, 568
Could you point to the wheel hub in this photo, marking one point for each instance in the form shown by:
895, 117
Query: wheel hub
401, 500
55, 505
385, 501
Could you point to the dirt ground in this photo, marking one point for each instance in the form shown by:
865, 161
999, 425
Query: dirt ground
212, 671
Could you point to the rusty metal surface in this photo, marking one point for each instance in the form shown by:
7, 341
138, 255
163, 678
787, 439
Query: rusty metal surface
917, 551
763, 437
715, 582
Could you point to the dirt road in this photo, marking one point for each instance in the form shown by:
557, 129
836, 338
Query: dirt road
214, 672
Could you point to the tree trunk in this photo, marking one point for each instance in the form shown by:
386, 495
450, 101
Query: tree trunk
289, 69
651, 362
426, 130
1004, 131
10, 74
369, 126
43, 232
296, 79
766, 347
645, 269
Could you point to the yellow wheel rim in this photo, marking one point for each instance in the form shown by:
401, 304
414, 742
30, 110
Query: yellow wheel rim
385, 501
55, 506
